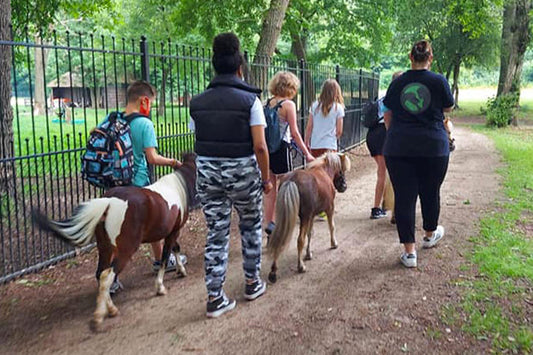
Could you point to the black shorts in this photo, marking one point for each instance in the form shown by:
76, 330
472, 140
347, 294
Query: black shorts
281, 161
375, 139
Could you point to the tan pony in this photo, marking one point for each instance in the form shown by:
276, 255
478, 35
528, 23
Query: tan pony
388, 193
305, 194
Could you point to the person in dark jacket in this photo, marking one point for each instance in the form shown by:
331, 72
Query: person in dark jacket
416, 148
233, 171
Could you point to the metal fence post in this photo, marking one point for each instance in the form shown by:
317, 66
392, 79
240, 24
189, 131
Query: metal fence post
360, 87
338, 73
145, 75
145, 60
246, 68
302, 96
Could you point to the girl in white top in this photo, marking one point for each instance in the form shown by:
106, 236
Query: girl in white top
326, 115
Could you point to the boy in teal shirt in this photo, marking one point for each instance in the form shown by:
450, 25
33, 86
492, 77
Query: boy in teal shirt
140, 95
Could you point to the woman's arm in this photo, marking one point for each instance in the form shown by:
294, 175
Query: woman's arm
447, 109
387, 117
340, 124
261, 153
309, 131
290, 116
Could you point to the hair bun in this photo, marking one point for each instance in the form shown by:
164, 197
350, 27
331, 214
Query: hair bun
226, 44
421, 47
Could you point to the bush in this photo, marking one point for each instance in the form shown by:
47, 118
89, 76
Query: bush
501, 110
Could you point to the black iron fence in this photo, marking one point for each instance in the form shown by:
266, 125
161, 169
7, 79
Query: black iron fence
65, 85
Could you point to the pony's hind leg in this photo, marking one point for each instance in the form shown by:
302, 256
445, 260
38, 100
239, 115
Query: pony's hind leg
181, 268
159, 287
304, 227
308, 254
103, 299
272, 276
331, 224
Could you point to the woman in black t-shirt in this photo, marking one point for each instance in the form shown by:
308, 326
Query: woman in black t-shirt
416, 148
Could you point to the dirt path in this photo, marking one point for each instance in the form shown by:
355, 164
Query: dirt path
356, 299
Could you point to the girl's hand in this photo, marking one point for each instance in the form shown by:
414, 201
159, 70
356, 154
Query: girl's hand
309, 157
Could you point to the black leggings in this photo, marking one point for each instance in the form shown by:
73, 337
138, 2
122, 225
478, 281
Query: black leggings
412, 177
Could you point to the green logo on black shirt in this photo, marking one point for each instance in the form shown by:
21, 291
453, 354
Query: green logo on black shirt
415, 98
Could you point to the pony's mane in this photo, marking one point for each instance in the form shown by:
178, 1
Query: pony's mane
327, 159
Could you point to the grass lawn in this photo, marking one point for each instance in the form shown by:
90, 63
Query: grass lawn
475, 103
497, 303
52, 132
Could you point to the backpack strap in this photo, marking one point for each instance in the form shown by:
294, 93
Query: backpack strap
132, 116
276, 106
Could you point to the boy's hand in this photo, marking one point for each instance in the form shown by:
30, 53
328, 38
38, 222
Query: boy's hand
176, 164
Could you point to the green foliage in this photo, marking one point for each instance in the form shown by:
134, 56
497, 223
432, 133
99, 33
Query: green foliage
34, 16
493, 304
461, 32
501, 110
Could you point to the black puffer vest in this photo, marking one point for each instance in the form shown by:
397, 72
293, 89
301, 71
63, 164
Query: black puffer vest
221, 117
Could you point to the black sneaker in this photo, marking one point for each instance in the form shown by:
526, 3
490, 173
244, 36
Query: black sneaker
254, 290
219, 306
377, 213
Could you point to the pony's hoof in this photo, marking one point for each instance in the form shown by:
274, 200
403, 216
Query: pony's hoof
96, 325
182, 273
272, 277
308, 256
301, 269
162, 291
334, 246
113, 311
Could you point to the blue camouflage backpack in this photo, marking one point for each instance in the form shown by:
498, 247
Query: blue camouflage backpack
108, 158
273, 133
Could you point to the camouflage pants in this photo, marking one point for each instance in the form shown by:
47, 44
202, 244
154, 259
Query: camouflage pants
222, 184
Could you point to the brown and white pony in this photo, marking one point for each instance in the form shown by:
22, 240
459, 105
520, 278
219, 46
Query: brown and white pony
305, 194
124, 218
388, 192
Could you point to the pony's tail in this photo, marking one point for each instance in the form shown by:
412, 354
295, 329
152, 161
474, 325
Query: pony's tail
78, 230
287, 208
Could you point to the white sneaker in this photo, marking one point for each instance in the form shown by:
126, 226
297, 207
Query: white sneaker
429, 242
408, 260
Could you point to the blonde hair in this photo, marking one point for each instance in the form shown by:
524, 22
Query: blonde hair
331, 93
284, 84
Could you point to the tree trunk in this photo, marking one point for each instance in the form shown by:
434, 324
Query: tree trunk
455, 85
515, 39
40, 86
268, 38
6, 112
299, 49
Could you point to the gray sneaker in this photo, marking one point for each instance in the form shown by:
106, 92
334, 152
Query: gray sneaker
171, 263
408, 260
430, 242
